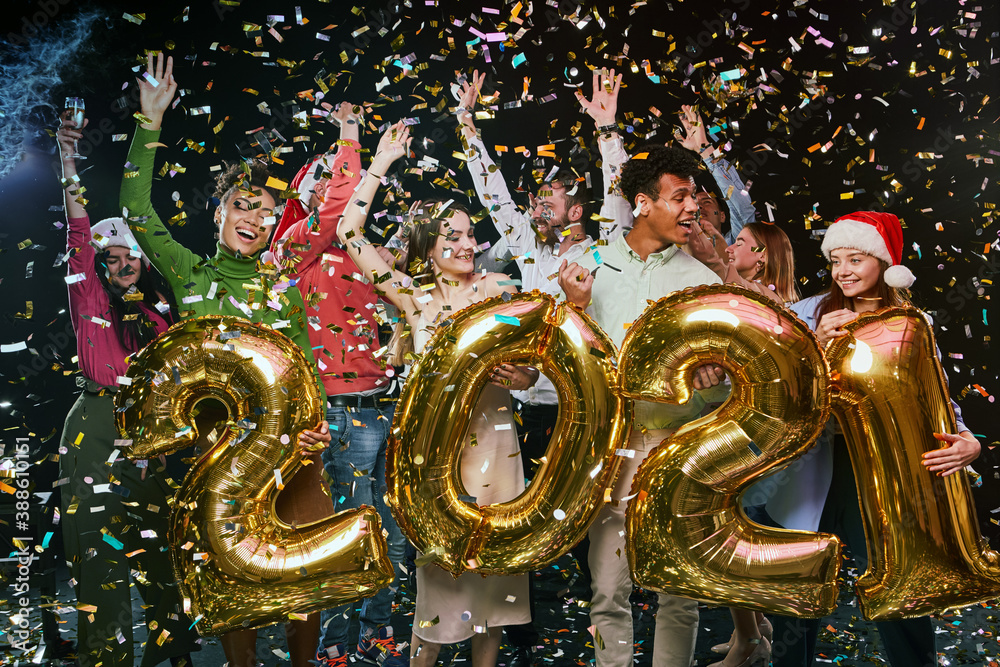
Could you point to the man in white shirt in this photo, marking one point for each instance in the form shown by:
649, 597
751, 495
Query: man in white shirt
614, 284
550, 232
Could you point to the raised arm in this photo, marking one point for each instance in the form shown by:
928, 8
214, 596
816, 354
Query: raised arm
66, 135
388, 281
85, 293
741, 208
514, 227
310, 237
616, 213
172, 260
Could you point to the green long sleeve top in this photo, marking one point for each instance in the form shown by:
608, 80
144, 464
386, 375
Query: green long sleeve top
221, 285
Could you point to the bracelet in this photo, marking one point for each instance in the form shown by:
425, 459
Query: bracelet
607, 129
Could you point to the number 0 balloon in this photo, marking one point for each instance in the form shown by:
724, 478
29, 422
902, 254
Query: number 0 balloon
433, 416
239, 561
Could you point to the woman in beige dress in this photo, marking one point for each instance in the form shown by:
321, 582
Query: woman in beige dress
441, 254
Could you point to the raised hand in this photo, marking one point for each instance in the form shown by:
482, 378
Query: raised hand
394, 144
694, 138
468, 97
603, 106
67, 134
349, 117
346, 113
156, 89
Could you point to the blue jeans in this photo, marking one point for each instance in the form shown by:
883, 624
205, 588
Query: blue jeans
359, 440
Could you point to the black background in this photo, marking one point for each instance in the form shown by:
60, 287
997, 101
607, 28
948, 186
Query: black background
921, 63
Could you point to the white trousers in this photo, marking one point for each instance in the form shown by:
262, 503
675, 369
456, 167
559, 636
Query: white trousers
610, 611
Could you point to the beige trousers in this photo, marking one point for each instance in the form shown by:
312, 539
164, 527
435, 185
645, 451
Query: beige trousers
610, 611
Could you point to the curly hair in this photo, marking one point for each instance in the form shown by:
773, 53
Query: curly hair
243, 175
642, 174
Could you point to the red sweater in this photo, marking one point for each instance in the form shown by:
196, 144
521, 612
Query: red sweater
340, 304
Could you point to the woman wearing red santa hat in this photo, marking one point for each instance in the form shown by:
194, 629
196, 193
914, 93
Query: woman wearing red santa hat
865, 250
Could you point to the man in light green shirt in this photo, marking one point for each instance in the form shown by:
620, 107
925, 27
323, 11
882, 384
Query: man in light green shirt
614, 284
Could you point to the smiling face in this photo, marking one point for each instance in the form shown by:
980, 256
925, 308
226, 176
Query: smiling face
550, 215
742, 255
245, 222
856, 273
123, 269
454, 251
671, 215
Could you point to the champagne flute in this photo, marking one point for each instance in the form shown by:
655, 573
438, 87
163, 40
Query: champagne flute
77, 113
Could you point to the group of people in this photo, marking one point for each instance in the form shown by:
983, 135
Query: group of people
660, 232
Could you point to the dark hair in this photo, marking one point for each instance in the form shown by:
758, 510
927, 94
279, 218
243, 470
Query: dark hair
423, 236
569, 182
245, 175
835, 299
779, 265
131, 323
426, 228
642, 173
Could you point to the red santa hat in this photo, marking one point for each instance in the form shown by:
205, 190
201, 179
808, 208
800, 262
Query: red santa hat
873, 233
303, 183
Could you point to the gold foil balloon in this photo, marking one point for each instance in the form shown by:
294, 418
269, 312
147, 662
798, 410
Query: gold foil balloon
685, 532
240, 559
925, 552
434, 413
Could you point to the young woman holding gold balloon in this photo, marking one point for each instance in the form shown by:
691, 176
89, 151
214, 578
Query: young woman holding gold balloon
442, 280
233, 282
865, 253
114, 512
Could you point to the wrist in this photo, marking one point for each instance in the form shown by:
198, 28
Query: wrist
606, 128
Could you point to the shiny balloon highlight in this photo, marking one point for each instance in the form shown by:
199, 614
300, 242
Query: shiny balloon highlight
432, 421
685, 532
925, 551
246, 554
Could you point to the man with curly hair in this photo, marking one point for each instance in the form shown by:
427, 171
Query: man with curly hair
615, 285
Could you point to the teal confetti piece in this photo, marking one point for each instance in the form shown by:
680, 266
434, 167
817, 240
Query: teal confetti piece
597, 257
112, 541
519, 59
191, 627
45, 542
715, 129
507, 319
984, 318
504, 283
731, 74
